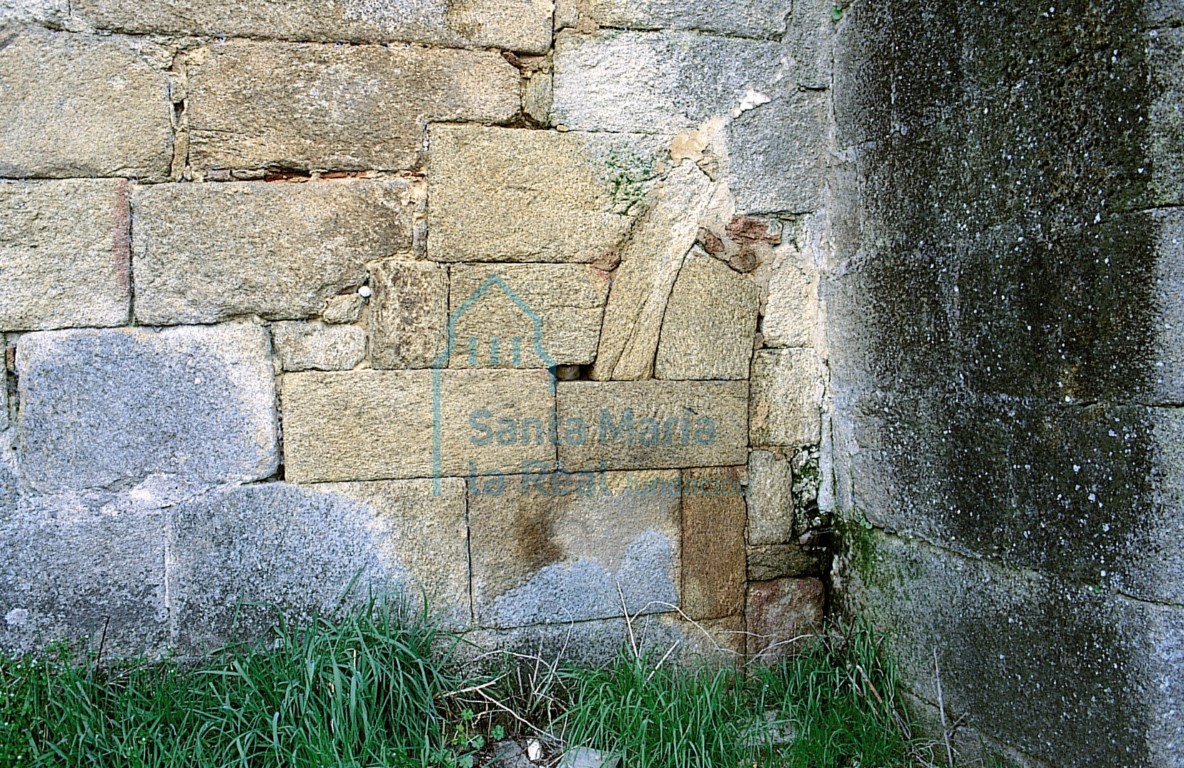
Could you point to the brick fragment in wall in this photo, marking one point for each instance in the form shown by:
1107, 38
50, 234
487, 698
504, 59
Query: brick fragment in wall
63, 254
560, 547
538, 315
81, 105
770, 498
106, 408
742, 18
307, 106
669, 80
709, 323
502, 194
207, 252
298, 549
652, 424
408, 314
713, 557
650, 263
305, 346
781, 610
786, 403
523, 25
489, 421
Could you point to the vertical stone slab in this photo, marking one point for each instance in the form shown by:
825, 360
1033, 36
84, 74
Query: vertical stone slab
713, 556
208, 252
770, 499
710, 320
558, 547
81, 105
780, 613
786, 405
306, 106
63, 254
108, 408
408, 314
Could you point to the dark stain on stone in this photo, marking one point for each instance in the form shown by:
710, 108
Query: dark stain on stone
534, 533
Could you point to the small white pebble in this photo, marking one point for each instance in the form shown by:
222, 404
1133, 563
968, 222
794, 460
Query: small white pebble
364, 291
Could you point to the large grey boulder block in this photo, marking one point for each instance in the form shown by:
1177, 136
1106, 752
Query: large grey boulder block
104, 409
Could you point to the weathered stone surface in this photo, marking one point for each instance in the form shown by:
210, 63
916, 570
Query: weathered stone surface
310, 106
549, 313
748, 18
780, 611
770, 498
408, 314
1168, 385
777, 152
713, 559
105, 408
63, 254
501, 194
517, 25
3, 391
537, 96
556, 548
206, 252
593, 642
1055, 649
669, 80
791, 316
298, 550
650, 263
76, 569
1166, 116
787, 388
78, 105
373, 425
652, 424
343, 308
779, 561
709, 323
809, 43
37, 11
313, 346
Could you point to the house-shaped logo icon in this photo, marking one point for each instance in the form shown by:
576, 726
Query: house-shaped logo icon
496, 350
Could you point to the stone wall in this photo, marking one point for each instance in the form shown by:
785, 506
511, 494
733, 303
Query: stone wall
509, 302
1003, 307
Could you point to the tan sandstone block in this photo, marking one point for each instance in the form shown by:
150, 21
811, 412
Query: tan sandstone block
315, 346
787, 389
500, 194
770, 498
79, 105
517, 25
205, 252
652, 424
541, 315
63, 254
709, 323
555, 547
309, 105
650, 263
713, 557
373, 425
409, 314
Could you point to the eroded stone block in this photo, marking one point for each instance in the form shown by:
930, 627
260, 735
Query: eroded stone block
108, 408
747, 18
709, 323
80, 105
538, 316
780, 612
713, 559
408, 315
770, 498
499, 194
314, 346
787, 388
306, 106
206, 252
63, 254
652, 424
556, 548
371, 425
